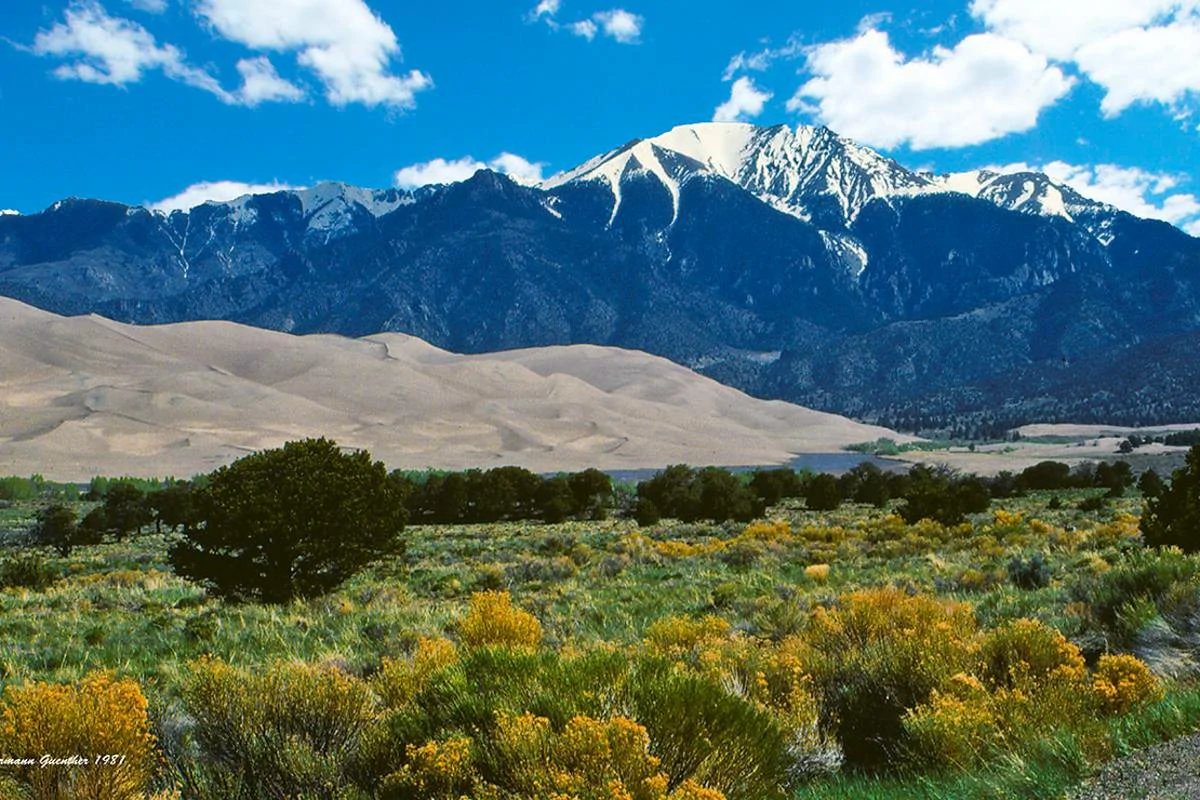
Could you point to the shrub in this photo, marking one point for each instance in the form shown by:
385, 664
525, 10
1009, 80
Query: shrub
99, 716
1026, 654
1141, 577
289, 730
956, 728
588, 759
880, 653
492, 620
399, 680
817, 572
1122, 682
291, 522
1172, 518
703, 733
27, 572
436, 769
674, 636
1029, 573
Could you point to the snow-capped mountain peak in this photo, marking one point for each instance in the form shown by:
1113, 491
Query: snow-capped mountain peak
786, 168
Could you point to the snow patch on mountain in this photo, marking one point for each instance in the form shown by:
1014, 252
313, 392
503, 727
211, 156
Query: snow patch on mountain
8, 212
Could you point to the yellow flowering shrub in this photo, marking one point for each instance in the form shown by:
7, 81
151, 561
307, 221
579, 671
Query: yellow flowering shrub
957, 727
817, 572
1122, 682
1027, 654
492, 620
879, 654
768, 531
435, 769
674, 636
589, 760
1007, 519
672, 548
97, 717
399, 680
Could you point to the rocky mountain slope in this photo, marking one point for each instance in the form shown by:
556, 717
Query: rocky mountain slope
791, 263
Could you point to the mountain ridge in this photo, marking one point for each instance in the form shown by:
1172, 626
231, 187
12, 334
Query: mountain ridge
792, 263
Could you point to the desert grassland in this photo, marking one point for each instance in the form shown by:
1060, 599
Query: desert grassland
983, 660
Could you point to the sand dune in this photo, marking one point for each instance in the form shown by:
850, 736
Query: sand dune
84, 395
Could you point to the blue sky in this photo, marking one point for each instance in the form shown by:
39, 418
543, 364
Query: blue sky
146, 101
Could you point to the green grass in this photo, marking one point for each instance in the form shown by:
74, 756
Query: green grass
118, 606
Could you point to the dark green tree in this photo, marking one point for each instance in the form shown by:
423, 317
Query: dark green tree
1150, 484
940, 495
173, 506
57, 527
823, 493
1173, 516
126, 510
593, 492
291, 522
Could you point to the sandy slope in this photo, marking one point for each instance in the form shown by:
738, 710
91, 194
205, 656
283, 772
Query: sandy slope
85, 395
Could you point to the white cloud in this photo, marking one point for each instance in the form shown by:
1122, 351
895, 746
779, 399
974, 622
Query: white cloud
617, 24
1139, 51
984, 88
585, 28
8, 212
1058, 28
1159, 64
1138, 191
439, 170
262, 84
151, 6
621, 25
217, 192
111, 50
519, 169
115, 51
348, 47
763, 59
745, 102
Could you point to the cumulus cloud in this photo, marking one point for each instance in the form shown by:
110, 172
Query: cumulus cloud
585, 28
618, 24
110, 50
621, 25
1143, 193
216, 192
343, 42
745, 102
1143, 65
102, 49
984, 88
1137, 50
261, 83
439, 170
1059, 28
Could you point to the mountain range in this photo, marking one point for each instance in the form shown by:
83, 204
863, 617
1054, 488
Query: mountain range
789, 262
